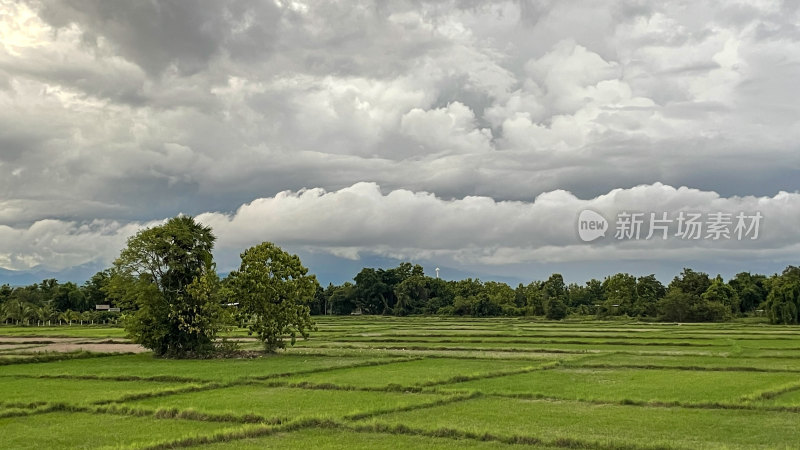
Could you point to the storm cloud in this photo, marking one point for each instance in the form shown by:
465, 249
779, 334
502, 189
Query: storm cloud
462, 132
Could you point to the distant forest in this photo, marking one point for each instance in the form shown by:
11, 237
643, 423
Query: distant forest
405, 290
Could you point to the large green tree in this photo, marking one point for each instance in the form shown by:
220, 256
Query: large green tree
783, 300
274, 290
685, 300
722, 293
621, 296
166, 274
750, 289
648, 292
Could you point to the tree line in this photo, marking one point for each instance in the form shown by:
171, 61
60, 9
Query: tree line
54, 303
173, 301
691, 296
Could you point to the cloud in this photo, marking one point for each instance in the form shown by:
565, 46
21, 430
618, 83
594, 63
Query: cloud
362, 220
124, 112
402, 223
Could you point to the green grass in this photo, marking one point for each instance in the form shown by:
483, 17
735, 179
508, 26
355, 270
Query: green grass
18, 390
544, 348
420, 382
144, 365
699, 362
416, 373
631, 384
791, 398
349, 440
611, 425
86, 331
80, 430
285, 403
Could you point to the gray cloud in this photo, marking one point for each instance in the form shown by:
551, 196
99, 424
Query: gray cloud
133, 111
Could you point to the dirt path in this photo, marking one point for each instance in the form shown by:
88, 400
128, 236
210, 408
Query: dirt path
60, 345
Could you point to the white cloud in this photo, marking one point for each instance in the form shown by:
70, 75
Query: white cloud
361, 219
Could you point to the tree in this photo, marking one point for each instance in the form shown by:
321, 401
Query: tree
373, 295
534, 298
45, 313
166, 273
555, 308
411, 293
582, 299
675, 306
750, 290
685, 300
722, 293
342, 299
648, 292
441, 295
691, 282
69, 296
274, 291
783, 300
12, 310
620, 291
95, 289
554, 287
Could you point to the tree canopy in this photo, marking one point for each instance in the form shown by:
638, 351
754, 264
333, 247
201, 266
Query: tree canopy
167, 276
274, 292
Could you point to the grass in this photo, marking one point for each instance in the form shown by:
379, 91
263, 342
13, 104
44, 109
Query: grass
791, 398
631, 384
690, 362
87, 331
19, 390
603, 425
569, 348
82, 430
145, 366
284, 403
388, 382
347, 439
416, 373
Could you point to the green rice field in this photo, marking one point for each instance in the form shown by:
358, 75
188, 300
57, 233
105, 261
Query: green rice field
383, 382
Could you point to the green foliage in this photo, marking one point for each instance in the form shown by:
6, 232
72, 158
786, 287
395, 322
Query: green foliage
648, 292
342, 299
406, 290
411, 293
783, 301
620, 293
750, 289
555, 297
534, 298
687, 299
273, 290
691, 282
555, 308
722, 293
166, 273
584, 298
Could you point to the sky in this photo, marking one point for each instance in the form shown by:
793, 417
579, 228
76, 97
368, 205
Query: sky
468, 136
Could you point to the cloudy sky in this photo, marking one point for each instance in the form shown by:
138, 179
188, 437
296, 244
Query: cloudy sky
462, 135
